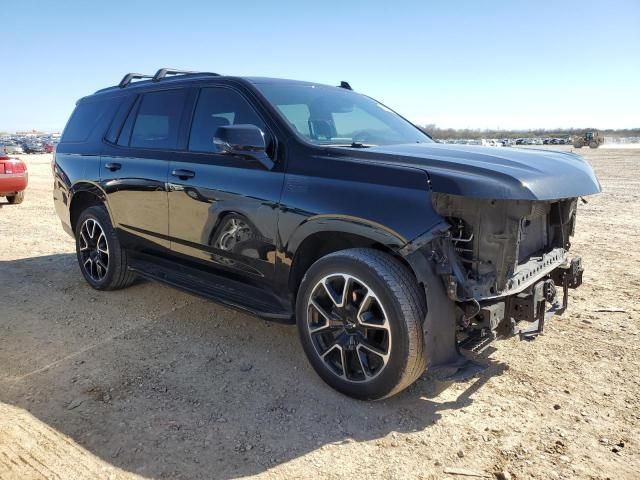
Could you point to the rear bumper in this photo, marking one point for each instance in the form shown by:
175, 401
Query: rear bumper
11, 184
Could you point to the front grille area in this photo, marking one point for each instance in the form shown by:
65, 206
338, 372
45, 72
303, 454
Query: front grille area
534, 235
493, 242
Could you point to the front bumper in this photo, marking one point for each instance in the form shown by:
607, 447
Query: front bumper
525, 313
453, 328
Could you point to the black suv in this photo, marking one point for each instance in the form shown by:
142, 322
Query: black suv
316, 205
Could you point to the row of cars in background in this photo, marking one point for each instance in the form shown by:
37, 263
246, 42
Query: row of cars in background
507, 142
17, 146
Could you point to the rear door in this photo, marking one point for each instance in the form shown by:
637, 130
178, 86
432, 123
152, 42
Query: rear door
223, 208
135, 165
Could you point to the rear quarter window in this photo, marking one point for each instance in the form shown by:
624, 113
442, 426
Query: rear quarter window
87, 117
119, 117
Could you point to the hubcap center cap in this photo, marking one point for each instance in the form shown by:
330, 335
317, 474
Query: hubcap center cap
348, 317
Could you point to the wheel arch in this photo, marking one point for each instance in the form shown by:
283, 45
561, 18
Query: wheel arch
84, 195
322, 236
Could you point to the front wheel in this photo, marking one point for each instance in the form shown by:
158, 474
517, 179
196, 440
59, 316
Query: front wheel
104, 264
359, 314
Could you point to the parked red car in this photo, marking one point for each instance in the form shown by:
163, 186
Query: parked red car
48, 147
13, 179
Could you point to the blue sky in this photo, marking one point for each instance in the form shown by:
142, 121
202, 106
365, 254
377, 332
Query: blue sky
477, 64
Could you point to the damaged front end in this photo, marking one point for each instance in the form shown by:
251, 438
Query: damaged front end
501, 260
493, 268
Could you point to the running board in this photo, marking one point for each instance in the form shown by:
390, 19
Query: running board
228, 292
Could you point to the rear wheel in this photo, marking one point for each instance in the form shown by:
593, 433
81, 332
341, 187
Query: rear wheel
104, 264
359, 315
15, 199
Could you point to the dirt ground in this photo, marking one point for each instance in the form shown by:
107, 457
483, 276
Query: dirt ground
152, 382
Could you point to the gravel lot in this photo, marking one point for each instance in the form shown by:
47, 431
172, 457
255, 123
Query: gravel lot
153, 382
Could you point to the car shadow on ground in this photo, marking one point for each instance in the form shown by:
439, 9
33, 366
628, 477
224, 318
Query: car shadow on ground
163, 384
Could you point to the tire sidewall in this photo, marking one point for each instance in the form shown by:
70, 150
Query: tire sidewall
99, 214
386, 380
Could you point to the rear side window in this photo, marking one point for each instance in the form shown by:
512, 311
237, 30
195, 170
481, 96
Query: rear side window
158, 119
119, 117
125, 133
86, 117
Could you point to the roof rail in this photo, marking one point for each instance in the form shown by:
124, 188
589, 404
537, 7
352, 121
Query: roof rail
163, 72
345, 85
160, 74
126, 80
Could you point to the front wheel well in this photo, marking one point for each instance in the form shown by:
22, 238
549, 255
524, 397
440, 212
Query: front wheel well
79, 203
316, 246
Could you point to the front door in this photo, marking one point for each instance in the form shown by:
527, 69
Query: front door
223, 208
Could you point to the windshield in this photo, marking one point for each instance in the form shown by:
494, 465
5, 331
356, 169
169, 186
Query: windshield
336, 116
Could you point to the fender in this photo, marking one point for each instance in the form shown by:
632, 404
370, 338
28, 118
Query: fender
345, 224
336, 191
296, 255
91, 188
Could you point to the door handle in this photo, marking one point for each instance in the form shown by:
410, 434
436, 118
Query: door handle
183, 174
112, 166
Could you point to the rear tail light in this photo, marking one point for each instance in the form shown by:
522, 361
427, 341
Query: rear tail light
14, 166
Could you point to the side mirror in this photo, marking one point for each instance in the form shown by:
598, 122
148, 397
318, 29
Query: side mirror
245, 141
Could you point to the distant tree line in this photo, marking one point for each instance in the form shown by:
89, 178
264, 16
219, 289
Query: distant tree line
436, 132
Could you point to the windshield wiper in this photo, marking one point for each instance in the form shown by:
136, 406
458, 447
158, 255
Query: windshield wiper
350, 145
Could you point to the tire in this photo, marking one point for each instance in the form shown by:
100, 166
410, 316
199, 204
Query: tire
16, 199
392, 310
593, 145
103, 263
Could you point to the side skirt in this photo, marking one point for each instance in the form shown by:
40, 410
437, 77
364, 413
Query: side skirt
228, 292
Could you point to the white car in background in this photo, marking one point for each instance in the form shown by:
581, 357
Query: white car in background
11, 149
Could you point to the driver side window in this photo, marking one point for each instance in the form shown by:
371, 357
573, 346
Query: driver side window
218, 107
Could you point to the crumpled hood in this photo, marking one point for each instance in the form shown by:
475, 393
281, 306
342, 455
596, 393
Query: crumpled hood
490, 172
